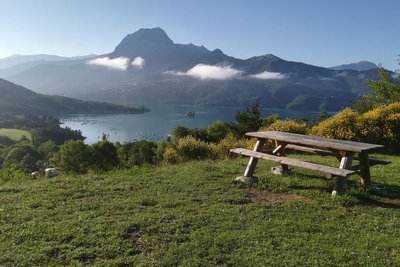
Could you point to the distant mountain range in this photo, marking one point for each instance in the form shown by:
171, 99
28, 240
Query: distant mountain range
359, 66
16, 99
148, 68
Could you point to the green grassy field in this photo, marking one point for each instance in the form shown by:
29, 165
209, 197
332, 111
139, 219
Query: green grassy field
15, 134
194, 214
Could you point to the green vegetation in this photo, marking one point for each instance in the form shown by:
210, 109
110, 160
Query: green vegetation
384, 91
15, 134
194, 214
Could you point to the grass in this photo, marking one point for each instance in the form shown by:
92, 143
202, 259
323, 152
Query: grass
15, 134
194, 214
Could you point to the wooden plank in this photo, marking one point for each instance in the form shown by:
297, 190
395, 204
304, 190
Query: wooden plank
311, 150
307, 140
294, 162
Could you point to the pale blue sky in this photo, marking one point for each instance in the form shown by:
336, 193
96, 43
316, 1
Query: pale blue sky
319, 32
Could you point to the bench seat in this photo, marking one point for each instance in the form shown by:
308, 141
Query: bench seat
294, 162
323, 152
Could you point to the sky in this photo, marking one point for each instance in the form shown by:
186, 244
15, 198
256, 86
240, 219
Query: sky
319, 32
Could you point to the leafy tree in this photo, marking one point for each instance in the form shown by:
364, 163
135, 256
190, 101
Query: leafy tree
73, 157
56, 134
248, 120
217, 131
23, 156
104, 156
47, 149
384, 91
179, 132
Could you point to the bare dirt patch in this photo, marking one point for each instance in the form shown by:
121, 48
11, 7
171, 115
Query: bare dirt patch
262, 196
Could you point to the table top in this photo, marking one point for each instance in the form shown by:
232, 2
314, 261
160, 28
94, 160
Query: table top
315, 141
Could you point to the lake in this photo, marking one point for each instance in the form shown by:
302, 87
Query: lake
159, 122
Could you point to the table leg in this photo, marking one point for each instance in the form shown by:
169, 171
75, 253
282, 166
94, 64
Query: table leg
281, 153
251, 166
341, 182
364, 169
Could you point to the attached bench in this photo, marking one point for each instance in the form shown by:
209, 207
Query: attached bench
344, 151
294, 162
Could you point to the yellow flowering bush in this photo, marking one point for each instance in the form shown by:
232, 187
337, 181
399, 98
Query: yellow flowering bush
189, 148
380, 126
171, 156
343, 125
289, 126
221, 150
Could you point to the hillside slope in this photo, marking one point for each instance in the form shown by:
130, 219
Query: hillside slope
18, 99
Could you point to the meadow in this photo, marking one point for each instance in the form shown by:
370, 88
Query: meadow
15, 134
195, 214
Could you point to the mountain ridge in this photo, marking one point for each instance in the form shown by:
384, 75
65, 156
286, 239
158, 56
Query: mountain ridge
147, 67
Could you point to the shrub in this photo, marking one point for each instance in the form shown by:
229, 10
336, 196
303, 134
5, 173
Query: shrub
343, 125
221, 150
289, 126
73, 157
217, 131
23, 155
171, 156
104, 156
189, 148
12, 173
380, 125
137, 153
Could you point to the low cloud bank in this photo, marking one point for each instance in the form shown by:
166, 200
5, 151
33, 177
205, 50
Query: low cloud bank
138, 62
210, 72
119, 63
266, 75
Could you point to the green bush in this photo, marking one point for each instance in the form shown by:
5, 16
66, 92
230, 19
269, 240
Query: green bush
24, 156
12, 173
104, 156
73, 157
218, 131
136, 153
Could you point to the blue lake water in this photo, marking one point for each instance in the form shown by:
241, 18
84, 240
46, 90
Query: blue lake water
159, 122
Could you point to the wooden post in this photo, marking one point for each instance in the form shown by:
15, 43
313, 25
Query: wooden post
341, 182
364, 169
251, 166
280, 147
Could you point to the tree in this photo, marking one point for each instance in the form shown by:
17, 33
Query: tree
104, 156
217, 131
73, 157
384, 91
23, 156
248, 120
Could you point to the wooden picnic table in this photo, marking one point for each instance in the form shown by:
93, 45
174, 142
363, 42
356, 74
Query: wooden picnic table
344, 151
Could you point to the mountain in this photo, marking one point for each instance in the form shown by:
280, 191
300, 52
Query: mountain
14, 60
147, 67
359, 66
16, 99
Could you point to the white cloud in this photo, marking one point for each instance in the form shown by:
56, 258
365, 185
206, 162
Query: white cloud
266, 75
210, 72
119, 63
138, 62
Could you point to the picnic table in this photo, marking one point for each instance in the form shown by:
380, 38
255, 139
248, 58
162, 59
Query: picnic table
345, 151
